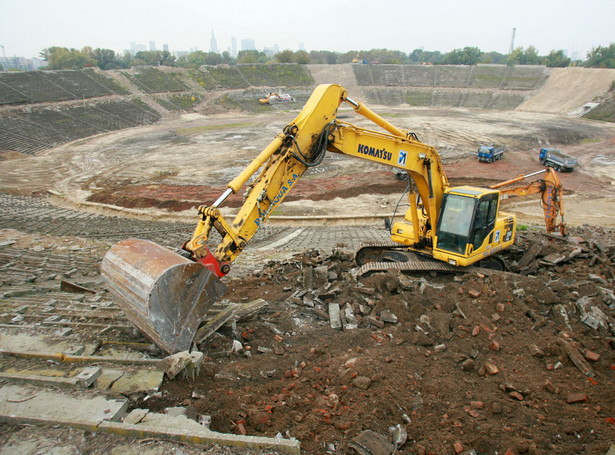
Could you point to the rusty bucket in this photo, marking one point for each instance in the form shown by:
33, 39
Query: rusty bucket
164, 294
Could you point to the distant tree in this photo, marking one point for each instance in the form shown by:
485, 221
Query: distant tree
63, 58
520, 56
192, 60
466, 56
155, 58
421, 56
106, 59
227, 58
493, 57
601, 57
251, 56
302, 57
327, 57
286, 56
557, 59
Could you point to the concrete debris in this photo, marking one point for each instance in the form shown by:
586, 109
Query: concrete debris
188, 362
369, 442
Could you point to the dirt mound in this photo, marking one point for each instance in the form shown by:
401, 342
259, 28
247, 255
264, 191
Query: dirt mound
521, 361
568, 89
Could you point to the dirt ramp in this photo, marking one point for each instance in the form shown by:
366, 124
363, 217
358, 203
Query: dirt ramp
568, 89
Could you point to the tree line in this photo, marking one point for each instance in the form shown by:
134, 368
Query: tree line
105, 59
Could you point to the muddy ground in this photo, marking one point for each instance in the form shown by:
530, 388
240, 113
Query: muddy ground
522, 361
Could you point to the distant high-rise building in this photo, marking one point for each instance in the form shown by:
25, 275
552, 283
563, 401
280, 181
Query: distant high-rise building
247, 45
276, 49
152, 45
165, 47
213, 44
233, 46
134, 48
301, 46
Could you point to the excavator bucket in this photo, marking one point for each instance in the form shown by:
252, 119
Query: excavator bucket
164, 294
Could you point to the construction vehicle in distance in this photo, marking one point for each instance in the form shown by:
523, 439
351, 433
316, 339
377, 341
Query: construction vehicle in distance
273, 98
166, 295
557, 160
490, 153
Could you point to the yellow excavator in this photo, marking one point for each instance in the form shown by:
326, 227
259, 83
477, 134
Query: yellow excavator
167, 295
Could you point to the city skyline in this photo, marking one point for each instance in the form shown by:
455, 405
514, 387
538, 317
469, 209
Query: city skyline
29, 26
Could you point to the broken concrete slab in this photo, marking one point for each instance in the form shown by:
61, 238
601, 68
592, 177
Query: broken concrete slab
180, 428
28, 404
371, 443
139, 381
335, 317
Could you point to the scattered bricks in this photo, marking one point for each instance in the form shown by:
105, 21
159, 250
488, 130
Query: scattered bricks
477, 404
535, 351
500, 307
472, 412
457, 447
475, 331
468, 364
516, 396
550, 387
495, 317
335, 317
374, 321
388, 316
592, 356
308, 278
491, 368
321, 276
495, 345
350, 363
363, 290
576, 397
349, 318
474, 293
321, 313
362, 382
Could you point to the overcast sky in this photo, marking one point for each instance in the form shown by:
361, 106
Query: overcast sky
27, 26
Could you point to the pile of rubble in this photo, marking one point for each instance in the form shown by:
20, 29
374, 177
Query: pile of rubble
520, 361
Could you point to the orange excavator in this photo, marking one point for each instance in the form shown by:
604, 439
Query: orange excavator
550, 189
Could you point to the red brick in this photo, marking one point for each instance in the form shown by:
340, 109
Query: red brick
516, 396
457, 447
576, 397
491, 368
592, 356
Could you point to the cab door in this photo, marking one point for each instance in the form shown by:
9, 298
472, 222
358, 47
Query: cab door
481, 234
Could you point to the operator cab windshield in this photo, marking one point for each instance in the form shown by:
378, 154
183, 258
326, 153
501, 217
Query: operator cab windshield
455, 222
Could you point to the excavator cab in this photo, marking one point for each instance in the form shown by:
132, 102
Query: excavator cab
470, 227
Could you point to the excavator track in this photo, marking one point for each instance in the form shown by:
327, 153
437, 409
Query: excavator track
413, 262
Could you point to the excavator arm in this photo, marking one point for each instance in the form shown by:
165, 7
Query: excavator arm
550, 190
303, 144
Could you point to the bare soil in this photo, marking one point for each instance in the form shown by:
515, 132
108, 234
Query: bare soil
470, 359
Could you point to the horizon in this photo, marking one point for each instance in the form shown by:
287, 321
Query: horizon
338, 26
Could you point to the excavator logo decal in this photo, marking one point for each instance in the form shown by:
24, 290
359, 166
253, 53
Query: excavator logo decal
278, 198
376, 153
403, 156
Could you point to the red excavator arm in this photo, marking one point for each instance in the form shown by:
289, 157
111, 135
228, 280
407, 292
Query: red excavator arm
550, 189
